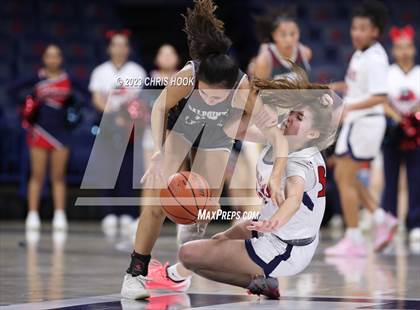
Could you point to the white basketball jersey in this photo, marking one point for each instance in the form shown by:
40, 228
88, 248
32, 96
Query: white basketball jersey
366, 76
308, 164
404, 88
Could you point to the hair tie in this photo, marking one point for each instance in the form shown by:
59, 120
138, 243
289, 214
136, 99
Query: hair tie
111, 33
326, 100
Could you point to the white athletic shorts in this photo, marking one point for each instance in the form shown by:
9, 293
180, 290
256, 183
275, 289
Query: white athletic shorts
277, 258
361, 138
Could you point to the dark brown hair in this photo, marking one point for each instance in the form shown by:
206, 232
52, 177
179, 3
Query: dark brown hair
208, 43
375, 10
267, 23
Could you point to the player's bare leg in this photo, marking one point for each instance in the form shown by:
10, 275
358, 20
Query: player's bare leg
211, 165
214, 259
59, 159
39, 162
346, 176
152, 217
150, 223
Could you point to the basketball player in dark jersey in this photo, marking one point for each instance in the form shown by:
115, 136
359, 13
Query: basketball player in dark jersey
195, 117
279, 33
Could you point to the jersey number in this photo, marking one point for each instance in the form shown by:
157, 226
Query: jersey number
322, 176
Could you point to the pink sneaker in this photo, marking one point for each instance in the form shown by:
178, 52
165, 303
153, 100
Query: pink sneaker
346, 247
384, 233
158, 278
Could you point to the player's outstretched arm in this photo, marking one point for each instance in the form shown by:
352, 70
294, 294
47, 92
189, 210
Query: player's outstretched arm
294, 190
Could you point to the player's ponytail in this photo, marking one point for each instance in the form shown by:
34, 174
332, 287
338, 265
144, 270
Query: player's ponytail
294, 90
295, 80
208, 43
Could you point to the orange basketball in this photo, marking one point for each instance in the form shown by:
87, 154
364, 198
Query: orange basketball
186, 194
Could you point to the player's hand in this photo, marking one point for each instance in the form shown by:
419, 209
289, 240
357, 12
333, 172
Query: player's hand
266, 226
274, 187
266, 117
154, 177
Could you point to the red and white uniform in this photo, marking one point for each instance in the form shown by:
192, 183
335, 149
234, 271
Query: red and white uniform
118, 86
363, 130
404, 89
272, 251
49, 131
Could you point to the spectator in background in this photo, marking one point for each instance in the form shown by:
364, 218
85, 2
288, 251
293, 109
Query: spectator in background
48, 134
166, 62
402, 141
114, 85
279, 32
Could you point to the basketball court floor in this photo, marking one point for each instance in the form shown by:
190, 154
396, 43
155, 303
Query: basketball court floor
83, 270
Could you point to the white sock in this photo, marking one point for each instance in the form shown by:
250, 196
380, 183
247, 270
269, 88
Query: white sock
173, 273
379, 216
59, 213
354, 234
32, 212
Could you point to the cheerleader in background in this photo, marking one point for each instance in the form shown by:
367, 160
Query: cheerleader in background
47, 135
402, 142
280, 34
166, 62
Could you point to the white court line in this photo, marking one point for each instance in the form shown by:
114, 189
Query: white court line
51, 304
241, 305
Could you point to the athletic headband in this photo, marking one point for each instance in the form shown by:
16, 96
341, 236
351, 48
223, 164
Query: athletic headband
110, 33
406, 32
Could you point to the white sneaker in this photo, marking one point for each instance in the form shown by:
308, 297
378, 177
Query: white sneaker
134, 287
33, 221
125, 224
110, 224
59, 221
414, 235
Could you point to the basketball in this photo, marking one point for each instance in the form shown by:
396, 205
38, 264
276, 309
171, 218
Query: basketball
186, 194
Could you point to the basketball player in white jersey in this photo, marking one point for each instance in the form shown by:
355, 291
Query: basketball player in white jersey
363, 129
283, 240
